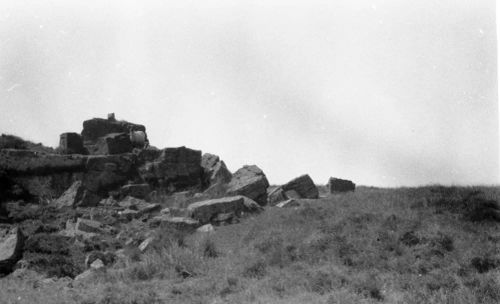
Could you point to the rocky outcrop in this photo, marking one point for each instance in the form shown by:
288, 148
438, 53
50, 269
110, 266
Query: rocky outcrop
276, 196
11, 246
303, 185
95, 128
249, 181
340, 185
175, 168
25, 163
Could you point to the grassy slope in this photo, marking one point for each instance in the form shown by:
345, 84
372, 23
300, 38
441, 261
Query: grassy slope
373, 245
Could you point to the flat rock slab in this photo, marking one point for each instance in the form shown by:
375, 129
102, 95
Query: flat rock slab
178, 222
11, 246
205, 211
288, 204
88, 226
136, 190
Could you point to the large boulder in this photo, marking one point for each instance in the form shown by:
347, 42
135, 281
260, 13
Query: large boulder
206, 211
340, 185
28, 163
179, 168
249, 181
303, 185
276, 196
214, 170
71, 143
114, 143
11, 246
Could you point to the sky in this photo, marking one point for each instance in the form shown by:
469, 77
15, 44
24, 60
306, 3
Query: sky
385, 93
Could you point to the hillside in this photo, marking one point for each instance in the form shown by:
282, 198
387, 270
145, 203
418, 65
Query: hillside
408, 245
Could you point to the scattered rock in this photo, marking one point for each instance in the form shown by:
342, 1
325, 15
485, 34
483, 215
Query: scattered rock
11, 247
340, 185
136, 190
303, 185
88, 226
142, 207
207, 228
251, 182
288, 204
146, 244
177, 222
71, 197
97, 264
208, 210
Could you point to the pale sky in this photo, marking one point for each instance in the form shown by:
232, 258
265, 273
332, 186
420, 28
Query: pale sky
386, 93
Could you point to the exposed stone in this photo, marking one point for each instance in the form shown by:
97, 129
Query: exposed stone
205, 211
250, 204
288, 204
106, 258
146, 244
178, 222
97, 264
136, 190
95, 128
71, 143
340, 185
251, 182
214, 170
142, 207
176, 168
28, 163
11, 247
107, 172
304, 186
206, 228
72, 197
275, 196
88, 226
114, 143
128, 214
292, 194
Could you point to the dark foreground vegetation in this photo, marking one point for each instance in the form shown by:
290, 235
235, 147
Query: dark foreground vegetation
408, 245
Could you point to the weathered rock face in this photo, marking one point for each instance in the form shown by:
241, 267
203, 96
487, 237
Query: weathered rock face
24, 162
11, 246
275, 196
340, 185
251, 182
176, 167
70, 197
206, 211
288, 204
114, 143
303, 185
103, 173
98, 127
214, 171
71, 143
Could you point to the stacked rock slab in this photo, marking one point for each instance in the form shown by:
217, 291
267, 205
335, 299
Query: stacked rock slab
340, 185
94, 129
303, 185
176, 168
249, 181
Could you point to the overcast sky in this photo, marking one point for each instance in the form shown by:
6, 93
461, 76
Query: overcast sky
385, 93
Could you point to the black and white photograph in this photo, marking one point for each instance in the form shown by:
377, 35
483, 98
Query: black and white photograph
249, 151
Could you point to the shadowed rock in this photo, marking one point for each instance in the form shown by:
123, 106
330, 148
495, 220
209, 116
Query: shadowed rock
114, 143
303, 185
208, 210
215, 171
340, 185
71, 143
95, 128
251, 182
11, 246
